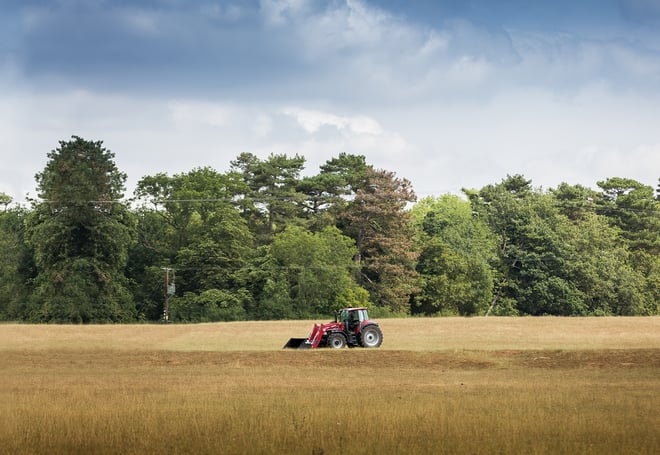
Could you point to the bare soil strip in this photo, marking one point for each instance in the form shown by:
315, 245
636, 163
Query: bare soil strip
462, 360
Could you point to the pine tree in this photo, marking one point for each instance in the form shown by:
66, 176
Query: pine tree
80, 234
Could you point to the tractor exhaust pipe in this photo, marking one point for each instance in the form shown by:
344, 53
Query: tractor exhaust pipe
297, 343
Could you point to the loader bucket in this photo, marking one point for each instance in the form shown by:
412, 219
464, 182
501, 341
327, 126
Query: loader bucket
297, 343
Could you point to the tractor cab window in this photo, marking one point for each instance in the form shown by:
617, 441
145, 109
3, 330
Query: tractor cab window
355, 319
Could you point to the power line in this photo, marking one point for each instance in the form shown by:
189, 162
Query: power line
580, 205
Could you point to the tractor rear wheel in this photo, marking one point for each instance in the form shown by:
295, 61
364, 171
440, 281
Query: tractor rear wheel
336, 340
371, 337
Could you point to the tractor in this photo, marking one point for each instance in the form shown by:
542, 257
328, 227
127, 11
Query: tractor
351, 328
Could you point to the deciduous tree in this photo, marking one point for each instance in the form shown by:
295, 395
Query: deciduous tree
379, 220
318, 268
455, 263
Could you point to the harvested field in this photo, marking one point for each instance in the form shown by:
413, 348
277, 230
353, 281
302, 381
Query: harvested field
450, 385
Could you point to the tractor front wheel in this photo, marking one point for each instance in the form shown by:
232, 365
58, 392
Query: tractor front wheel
371, 337
336, 340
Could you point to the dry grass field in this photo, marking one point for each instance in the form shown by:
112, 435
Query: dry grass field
449, 385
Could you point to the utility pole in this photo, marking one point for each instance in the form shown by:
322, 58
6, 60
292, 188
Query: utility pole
170, 289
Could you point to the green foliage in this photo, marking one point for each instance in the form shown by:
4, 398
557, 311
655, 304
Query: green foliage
17, 267
630, 206
455, 262
212, 305
196, 230
318, 268
262, 242
5, 200
275, 301
80, 235
80, 292
271, 200
558, 256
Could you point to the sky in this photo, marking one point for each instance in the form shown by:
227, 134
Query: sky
448, 94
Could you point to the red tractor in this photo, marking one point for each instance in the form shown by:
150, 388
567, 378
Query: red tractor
351, 328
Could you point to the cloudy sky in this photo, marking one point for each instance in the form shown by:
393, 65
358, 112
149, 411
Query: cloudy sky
445, 93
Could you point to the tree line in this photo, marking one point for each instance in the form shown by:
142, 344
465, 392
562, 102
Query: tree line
261, 241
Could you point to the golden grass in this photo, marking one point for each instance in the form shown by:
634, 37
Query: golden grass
453, 385
413, 334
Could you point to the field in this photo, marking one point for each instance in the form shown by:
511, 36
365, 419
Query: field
449, 385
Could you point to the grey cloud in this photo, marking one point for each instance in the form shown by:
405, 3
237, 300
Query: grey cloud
645, 12
222, 47
349, 52
567, 63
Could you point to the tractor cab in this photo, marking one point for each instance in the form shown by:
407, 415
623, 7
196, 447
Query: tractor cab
352, 318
